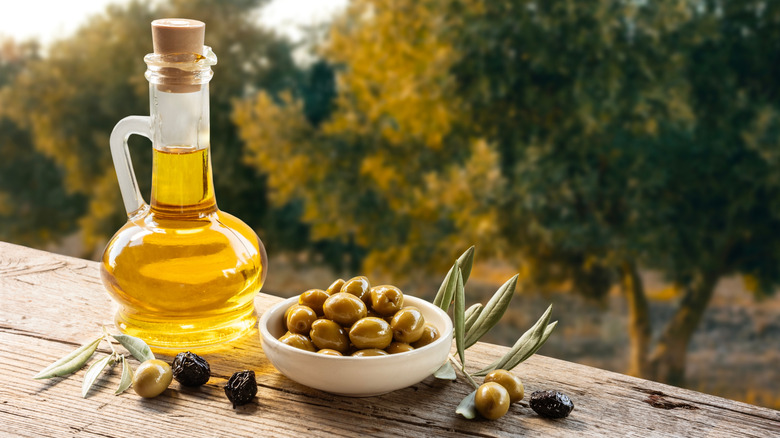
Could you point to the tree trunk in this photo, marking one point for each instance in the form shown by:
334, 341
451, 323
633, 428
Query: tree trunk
639, 329
667, 363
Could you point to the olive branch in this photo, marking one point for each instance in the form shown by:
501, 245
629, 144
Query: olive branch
76, 359
473, 323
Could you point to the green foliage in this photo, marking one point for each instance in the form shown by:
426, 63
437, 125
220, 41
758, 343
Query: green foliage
582, 88
34, 206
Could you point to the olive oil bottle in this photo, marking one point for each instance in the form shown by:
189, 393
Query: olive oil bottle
184, 273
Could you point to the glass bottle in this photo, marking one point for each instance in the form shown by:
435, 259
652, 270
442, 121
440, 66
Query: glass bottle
184, 273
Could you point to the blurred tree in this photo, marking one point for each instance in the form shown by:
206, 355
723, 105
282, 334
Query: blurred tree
71, 98
353, 171
583, 139
34, 207
721, 195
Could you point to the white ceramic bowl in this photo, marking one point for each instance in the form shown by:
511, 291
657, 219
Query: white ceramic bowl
356, 376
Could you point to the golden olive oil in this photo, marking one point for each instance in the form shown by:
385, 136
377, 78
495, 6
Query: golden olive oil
184, 272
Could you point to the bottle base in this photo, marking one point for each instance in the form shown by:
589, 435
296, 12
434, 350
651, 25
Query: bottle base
173, 335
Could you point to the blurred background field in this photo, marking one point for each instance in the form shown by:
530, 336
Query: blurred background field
622, 156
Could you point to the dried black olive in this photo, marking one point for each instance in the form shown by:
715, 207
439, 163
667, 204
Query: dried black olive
241, 388
189, 369
551, 404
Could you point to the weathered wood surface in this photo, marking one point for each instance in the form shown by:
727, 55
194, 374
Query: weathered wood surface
51, 303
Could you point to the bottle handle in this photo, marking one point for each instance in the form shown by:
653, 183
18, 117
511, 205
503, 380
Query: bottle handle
128, 185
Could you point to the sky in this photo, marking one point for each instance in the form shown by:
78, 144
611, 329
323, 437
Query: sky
49, 20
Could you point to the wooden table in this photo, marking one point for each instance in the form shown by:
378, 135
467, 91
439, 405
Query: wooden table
52, 303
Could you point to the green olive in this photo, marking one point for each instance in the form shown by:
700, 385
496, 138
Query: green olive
386, 299
344, 308
369, 352
335, 287
370, 332
430, 334
492, 400
398, 347
408, 325
510, 382
326, 334
359, 287
329, 352
298, 341
300, 319
314, 299
286, 314
152, 378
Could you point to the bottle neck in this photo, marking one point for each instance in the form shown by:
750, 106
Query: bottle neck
181, 166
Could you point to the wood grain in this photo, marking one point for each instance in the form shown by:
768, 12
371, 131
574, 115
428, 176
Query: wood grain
52, 303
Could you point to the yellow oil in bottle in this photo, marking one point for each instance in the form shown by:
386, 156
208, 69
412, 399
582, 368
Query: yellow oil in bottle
184, 272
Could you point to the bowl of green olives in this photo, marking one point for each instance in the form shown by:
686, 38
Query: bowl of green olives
355, 340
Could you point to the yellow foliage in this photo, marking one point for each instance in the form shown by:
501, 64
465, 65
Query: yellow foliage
102, 205
385, 165
271, 134
667, 293
750, 282
6, 207
397, 79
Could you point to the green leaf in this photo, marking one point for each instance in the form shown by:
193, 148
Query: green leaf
492, 312
445, 372
135, 346
446, 290
465, 261
467, 406
93, 372
524, 347
460, 317
70, 363
127, 377
472, 313
547, 331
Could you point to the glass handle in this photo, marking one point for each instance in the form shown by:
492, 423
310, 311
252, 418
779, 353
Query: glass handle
128, 185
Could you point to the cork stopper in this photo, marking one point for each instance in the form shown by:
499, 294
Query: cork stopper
178, 35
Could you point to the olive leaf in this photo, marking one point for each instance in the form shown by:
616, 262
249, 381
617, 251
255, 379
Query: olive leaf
465, 262
468, 407
492, 312
547, 331
93, 372
459, 314
446, 292
127, 377
135, 346
445, 372
471, 315
521, 356
70, 363
443, 298
529, 342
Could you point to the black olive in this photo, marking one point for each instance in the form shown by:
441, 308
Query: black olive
241, 388
189, 369
551, 404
